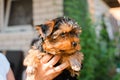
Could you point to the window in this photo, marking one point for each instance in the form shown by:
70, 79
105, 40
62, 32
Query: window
17, 13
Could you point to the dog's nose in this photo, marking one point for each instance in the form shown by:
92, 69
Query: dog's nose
74, 44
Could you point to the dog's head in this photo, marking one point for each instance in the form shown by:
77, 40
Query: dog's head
60, 35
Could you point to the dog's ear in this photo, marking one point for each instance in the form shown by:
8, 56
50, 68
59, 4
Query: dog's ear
45, 29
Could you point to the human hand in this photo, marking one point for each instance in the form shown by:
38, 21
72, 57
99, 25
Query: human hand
47, 71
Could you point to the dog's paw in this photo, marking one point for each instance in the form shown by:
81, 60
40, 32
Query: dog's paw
76, 61
75, 64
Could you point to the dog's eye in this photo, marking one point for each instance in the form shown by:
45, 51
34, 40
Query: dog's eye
62, 34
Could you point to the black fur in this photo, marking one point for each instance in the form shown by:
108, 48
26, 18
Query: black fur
65, 75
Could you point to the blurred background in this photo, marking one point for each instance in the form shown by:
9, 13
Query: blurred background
100, 38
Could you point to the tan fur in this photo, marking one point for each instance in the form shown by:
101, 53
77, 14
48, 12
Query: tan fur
63, 41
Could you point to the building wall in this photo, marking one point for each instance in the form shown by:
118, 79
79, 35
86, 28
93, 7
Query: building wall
1, 14
20, 37
46, 10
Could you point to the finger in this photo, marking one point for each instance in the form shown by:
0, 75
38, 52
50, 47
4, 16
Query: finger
54, 60
46, 58
52, 73
61, 67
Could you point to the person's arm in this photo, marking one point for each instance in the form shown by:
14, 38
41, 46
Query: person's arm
10, 75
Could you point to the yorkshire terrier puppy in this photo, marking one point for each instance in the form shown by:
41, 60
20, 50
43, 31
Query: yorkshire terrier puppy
59, 36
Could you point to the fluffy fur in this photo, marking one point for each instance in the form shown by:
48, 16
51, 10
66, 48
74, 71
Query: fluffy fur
59, 36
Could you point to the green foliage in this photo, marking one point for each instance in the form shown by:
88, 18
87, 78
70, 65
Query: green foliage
116, 77
88, 37
98, 53
106, 65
